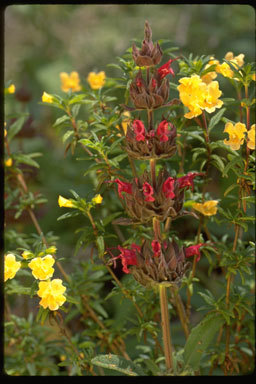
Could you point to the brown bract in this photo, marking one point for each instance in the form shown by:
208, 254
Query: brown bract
168, 268
150, 54
152, 96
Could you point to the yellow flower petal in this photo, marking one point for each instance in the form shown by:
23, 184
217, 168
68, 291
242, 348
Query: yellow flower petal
11, 266
97, 199
46, 98
236, 135
65, 202
209, 208
70, 82
96, 80
8, 162
51, 293
251, 137
11, 88
42, 267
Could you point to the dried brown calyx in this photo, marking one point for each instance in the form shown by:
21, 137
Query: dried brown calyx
159, 263
151, 96
150, 54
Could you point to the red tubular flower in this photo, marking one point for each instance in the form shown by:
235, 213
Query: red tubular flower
194, 250
156, 246
168, 187
148, 192
187, 181
123, 187
128, 256
162, 130
165, 69
139, 130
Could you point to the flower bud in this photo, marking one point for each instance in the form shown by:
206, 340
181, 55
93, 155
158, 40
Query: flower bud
149, 54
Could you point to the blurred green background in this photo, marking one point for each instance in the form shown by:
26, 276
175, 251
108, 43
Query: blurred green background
43, 40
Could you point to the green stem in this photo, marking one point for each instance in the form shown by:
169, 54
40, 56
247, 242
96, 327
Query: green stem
165, 322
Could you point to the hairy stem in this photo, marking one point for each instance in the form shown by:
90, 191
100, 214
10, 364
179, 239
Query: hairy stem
165, 322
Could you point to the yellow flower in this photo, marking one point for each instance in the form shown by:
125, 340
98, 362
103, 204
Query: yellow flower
236, 135
225, 70
71, 81
211, 99
96, 80
254, 76
65, 202
11, 266
125, 122
27, 255
42, 267
97, 199
11, 88
51, 250
5, 132
8, 162
210, 75
51, 293
208, 208
197, 95
46, 98
251, 137
237, 61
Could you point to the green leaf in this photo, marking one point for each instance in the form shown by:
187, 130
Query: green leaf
118, 363
16, 127
67, 135
67, 215
217, 162
100, 245
26, 159
200, 338
216, 118
61, 120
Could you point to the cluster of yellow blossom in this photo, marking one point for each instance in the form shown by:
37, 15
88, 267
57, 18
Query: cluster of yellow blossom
11, 266
197, 95
96, 80
51, 292
237, 135
208, 208
72, 82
